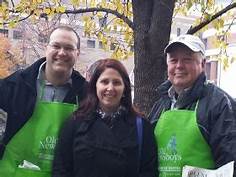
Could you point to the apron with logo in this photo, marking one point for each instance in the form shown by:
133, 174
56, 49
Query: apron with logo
30, 151
180, 143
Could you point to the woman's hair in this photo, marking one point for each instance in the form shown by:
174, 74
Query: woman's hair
91, 101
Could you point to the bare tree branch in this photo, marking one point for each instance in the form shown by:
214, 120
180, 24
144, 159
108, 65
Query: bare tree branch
100, 9
193, 30
22, 19
12, 3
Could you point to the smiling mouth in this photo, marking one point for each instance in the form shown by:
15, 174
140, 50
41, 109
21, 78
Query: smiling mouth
180, 74
58, 61
109, 96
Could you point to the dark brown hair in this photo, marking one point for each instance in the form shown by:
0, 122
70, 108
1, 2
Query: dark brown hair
90, 103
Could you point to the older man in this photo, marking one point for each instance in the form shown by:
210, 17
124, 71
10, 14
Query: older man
35, 102
194, 119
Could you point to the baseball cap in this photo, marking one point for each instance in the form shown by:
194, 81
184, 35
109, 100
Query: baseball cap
192, 42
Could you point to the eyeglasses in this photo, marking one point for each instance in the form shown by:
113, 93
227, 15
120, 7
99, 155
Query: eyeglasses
65, 48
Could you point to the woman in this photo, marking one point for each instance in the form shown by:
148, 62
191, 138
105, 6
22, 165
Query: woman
102, 138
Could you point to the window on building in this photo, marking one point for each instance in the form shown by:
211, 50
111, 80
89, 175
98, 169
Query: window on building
90, 43
4, 32
1, 1
102, 21
99, 1
178, 31
132, 48
222, 38
17, 34
205, 42
211, 71
100, 45
42, 38
113, 46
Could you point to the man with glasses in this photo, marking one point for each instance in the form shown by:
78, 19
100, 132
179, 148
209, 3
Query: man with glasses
36, 101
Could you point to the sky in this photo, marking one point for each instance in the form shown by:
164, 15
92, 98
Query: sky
224, 1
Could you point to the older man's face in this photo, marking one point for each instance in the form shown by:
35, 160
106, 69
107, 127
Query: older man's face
184, 67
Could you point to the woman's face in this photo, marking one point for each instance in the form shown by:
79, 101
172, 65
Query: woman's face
110, 88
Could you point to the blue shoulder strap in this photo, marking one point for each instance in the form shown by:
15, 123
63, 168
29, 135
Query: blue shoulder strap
139, 125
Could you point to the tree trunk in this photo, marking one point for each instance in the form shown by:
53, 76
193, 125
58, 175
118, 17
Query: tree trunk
152, 26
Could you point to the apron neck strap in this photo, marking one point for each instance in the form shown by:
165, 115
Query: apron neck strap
41, 89
196, 105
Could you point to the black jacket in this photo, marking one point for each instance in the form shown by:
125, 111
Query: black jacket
18, 97
90, 148
215, 116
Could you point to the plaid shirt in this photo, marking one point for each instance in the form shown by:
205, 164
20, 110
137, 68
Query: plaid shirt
48, 92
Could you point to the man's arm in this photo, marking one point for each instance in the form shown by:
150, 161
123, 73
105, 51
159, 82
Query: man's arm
222, 137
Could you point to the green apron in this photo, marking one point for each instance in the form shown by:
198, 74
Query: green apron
35, 141
180, 143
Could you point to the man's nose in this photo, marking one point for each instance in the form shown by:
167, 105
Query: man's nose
179, 63
62, 51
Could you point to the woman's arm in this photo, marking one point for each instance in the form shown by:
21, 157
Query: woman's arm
148, 164
63, 159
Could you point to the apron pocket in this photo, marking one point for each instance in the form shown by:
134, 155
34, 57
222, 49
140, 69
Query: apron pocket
23, 172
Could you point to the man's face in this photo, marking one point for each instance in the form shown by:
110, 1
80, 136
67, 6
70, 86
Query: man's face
62, 52
184, 67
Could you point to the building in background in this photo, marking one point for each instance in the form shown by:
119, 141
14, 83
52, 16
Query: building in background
92, 49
